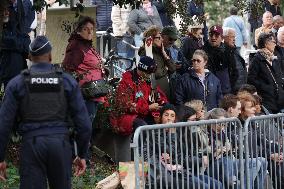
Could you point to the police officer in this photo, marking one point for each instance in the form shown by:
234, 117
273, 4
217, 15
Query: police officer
42, 98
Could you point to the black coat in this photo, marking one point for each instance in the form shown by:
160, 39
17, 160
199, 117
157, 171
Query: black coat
237, 68
189, 87
260, 76
218, 65
189, 45
279, 52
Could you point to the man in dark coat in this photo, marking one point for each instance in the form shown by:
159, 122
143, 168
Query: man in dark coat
217, 63
42, 98
237, 65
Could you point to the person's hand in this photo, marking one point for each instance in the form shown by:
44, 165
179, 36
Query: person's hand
164, 53
205, 161
165, 157
80, 166
3, 174
154, 107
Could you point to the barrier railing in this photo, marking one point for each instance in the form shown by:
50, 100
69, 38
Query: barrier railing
190, 155
211, 154
264, 138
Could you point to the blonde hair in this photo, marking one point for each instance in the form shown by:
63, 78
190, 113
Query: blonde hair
201, 53
197, 105
245, 97
152, 31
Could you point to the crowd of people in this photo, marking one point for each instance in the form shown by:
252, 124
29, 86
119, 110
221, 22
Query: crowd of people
206, 78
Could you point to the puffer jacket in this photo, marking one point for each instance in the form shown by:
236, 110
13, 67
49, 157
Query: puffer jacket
237, 68
260, 76
119, 18
139, 20
165, 18
103, 14
190, 88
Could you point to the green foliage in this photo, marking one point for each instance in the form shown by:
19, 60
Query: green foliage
13, 178
98, 169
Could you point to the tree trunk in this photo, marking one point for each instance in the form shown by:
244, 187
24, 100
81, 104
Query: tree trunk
3, 5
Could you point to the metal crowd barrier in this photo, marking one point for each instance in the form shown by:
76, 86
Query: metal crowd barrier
190, 155
264, 138
211, 154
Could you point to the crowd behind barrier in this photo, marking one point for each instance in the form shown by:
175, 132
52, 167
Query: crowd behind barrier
120, 66
219, 153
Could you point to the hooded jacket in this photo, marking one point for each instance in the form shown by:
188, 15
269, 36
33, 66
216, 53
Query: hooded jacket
139, 20
190, 88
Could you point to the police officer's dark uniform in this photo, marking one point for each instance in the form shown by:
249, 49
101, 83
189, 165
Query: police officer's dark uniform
42, 98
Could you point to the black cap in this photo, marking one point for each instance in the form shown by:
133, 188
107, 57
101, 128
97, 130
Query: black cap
40, 45
147, 64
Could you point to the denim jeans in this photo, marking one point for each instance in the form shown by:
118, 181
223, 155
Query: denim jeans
206, 182
227, 170
92, 107
138, 40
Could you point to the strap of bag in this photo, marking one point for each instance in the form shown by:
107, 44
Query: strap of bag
274, 80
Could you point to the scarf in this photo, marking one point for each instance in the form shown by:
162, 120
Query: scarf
269, 56
148, 8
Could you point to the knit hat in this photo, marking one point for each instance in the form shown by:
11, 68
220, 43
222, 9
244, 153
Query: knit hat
216, 29
170, 31
147, 64
40, 46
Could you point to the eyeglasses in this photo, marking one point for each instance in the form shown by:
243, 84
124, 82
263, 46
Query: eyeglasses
159, 38
272, 41
195, 60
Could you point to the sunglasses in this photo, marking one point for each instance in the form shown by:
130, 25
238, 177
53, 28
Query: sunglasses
159, 38
195, 60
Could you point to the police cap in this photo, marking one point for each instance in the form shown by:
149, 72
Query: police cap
40, 45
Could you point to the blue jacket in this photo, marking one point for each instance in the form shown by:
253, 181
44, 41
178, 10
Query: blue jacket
15, 92
189, 87
237, 23
103, 14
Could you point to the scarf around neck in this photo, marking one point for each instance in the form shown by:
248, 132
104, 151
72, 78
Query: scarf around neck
269, 56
